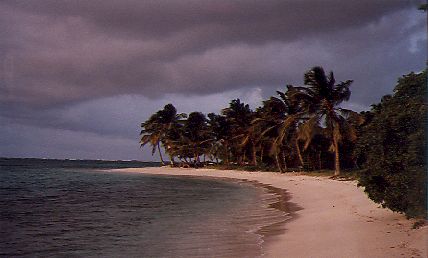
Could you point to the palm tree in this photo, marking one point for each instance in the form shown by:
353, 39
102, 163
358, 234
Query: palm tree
151, 133
289, 126
220, 129
251, 136
320, 98
239, 116
192, 139
156, 129
282, 115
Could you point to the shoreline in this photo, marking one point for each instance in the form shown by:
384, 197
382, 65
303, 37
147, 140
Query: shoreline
336, 218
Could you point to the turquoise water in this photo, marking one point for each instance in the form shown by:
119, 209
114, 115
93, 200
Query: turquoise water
74, 209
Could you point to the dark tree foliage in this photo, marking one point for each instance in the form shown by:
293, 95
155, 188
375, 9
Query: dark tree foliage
321, 97
157, 127
220, 129
239, 116
285, 132
391, 148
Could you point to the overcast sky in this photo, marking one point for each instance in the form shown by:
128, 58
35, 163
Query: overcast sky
78, 77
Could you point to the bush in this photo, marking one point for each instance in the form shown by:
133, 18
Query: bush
392, 145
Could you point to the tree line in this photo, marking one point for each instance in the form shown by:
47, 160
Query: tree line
305, 128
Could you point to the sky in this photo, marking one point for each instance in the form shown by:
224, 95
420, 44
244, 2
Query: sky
78, 77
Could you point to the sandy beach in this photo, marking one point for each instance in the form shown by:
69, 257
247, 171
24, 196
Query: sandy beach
334, 219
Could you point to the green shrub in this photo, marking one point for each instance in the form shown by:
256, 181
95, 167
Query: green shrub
391, 148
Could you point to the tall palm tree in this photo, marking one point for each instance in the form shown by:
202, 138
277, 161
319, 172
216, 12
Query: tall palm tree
320, 98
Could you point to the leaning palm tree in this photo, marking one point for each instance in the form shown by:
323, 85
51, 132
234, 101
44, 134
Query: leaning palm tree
320, 98
280, 117
251, 136
158, 127
289, 126
151, 133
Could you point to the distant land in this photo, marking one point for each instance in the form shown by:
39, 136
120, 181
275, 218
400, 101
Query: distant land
75, 163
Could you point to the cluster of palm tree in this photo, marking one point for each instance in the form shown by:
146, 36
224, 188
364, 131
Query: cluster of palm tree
302, 127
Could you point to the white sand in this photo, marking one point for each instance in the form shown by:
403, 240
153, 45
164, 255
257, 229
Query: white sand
336, 220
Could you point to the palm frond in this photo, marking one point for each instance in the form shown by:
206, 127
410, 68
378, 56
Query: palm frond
341, 92
258, 120
268, 130
245, 140
282, 95
308, 130
331, 79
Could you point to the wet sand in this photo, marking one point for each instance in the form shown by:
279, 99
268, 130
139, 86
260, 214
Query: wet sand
329, 219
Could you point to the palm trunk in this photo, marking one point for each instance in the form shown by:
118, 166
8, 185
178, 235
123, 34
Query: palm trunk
336, 160
196, 158
283, 159
160, 155
319, 161
261, 153
171, 158
254, 154
239, 160
299, 154
278, 164
226, 146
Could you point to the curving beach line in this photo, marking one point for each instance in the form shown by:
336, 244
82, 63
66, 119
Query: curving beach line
336, 218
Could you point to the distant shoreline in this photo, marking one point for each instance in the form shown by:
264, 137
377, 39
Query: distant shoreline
336, 218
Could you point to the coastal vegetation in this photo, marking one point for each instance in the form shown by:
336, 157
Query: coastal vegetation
392, 147
305, 128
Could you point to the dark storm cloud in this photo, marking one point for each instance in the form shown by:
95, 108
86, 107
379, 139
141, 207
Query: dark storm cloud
244, 20
57, 52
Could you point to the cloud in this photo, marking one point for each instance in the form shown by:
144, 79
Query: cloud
29, 141
60, 52
121, 116
106, 128
96, 69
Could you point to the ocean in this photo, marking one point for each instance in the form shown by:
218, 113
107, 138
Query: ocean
73, 208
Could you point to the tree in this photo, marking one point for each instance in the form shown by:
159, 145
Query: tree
195, 138
156, 128
220, 128
280, 117
392, 148
320, 98
252, 137
239, 116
